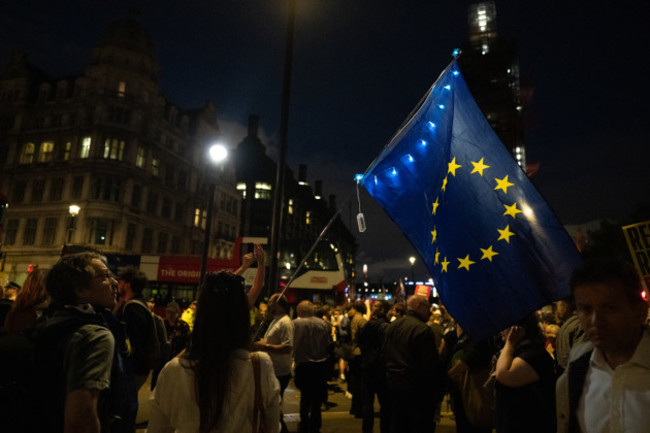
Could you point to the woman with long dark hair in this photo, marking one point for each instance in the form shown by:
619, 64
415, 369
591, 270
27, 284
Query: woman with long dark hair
525, 381
212, 387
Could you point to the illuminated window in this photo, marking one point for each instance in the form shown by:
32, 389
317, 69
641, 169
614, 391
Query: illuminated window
121, 89
47, 151
113, 149
290, 207
85, 147
66, 151
139, 159
28, 153
197, 217
155, 167
308, 218
242, 187
262, 191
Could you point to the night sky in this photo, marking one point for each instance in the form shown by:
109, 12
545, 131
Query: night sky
360, 66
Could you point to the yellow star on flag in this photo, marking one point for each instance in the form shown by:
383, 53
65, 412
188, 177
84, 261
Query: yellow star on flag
444, 264
444, 183
453, 166
436, 260
511, 210
488, 253
435, 206
434, 235
465, 263
479, 167
505, 234
503, 184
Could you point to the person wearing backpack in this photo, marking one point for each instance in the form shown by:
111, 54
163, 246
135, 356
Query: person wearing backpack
75, 338
135, 313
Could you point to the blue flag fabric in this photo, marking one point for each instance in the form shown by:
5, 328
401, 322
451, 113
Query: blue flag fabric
495, 249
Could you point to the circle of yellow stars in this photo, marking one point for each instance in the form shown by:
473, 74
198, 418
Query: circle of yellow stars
479, 167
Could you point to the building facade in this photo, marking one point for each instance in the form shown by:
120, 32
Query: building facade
490, 66
306, 211
109, 142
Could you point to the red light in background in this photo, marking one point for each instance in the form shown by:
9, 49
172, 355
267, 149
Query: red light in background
30, 268
644, 295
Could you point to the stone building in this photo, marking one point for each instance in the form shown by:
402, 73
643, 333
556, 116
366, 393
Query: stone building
109, 142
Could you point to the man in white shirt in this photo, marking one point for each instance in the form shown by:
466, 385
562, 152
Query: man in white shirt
278, 342
606, 387
311, 353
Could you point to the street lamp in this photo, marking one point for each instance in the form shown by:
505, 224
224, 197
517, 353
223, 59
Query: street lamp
412, 261
278, 197
73, 210
217, 155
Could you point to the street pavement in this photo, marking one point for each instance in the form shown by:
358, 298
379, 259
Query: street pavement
336, 419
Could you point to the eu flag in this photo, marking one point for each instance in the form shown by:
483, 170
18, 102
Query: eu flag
495, 249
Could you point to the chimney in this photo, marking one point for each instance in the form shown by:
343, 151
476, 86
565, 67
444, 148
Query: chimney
332, 201
302, 173
253, 125
318, 188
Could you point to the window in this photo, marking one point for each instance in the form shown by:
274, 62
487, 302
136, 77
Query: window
130, 236
155, 167
169, 174
162, 243
119, 115
121, 89
49, 231
11, 231
139, 158
166, 209
27, 156
176, 245
147, 241
29, 235
38, 186
103, 231
197, 247
19, 191
262, 191
179, 210
85, 147
136, 196
152, 202
113, 149
47, 151
66, 151
56, 189
182, 179
200, 216
77, 186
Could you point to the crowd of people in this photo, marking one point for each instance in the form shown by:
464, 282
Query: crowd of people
581, 364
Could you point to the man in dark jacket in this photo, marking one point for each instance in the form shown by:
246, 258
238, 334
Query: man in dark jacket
134, 311
413, 370
373, 373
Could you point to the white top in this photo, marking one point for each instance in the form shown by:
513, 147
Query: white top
174, 407
619, 399
280, 331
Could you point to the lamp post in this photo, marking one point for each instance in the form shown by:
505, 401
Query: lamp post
73, 210
217, 155
412, 261
278, 197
